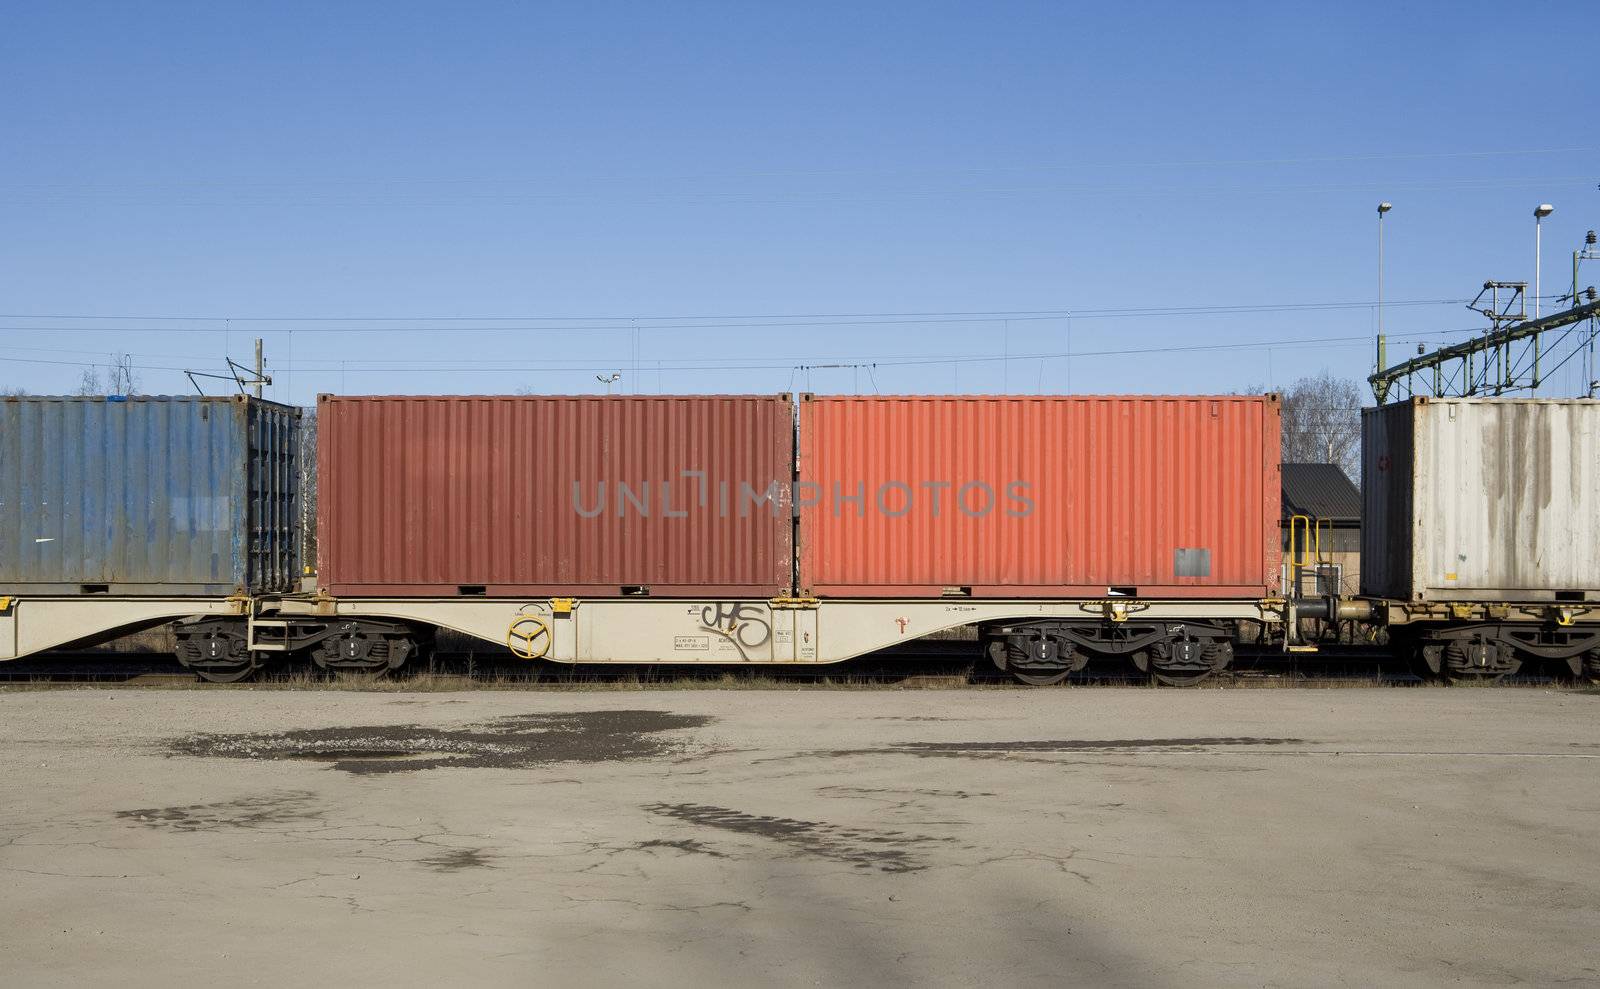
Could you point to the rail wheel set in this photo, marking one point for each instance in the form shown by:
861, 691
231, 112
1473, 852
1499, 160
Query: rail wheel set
779, 529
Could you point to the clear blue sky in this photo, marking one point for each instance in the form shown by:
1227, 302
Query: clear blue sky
635, 161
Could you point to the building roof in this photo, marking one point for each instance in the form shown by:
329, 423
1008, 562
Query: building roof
1321, 491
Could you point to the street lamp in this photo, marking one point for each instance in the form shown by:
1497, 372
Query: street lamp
1539, 213
608, 380
1382, 209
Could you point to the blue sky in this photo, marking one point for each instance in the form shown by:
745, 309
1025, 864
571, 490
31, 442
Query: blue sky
616, 180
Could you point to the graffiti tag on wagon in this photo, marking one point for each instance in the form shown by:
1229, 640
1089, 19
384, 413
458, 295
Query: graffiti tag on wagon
696, 493
748, 626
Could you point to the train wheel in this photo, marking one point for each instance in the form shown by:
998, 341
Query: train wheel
1041, 679
363, 653
1478, 660
1591, 666
1185, 661
216, 651
232, 674
1178, 679
1035, 659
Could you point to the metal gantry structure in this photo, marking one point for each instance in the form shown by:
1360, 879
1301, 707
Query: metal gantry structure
241, 376
1516, 354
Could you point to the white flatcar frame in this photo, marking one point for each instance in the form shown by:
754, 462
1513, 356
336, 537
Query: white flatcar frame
611, 630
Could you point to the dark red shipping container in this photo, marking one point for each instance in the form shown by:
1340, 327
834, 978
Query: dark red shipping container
553, 495
1039, 496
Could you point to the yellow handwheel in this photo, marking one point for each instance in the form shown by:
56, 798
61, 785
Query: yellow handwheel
528, 637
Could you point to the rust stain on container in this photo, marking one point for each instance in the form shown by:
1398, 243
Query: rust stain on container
1039, 496
552, 495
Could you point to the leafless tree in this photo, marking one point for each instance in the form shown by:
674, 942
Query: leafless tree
119, 378
1322, 422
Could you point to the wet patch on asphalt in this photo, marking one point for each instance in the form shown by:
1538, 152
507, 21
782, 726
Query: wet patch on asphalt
458, 859
264, 811
1096, 744
890, 791
997, 750
515, 742
882, 851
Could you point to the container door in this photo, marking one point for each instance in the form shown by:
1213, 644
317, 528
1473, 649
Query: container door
274, 479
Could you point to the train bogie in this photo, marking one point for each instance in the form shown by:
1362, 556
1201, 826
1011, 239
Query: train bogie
1173, 652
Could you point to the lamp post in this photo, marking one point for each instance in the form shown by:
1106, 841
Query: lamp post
1382, 209
1539, 213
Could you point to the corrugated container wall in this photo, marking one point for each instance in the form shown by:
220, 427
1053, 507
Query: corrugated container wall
554, 495
1039, 496
148, 495
1481, 500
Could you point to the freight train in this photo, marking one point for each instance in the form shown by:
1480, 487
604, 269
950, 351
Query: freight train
782, 529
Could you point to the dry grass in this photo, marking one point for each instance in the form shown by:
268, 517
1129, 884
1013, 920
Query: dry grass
669, 681
445, 683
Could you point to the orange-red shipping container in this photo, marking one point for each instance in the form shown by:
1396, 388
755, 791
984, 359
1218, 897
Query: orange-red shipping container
1039, 496
555, 495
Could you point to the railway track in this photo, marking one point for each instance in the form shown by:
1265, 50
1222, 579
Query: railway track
921, 664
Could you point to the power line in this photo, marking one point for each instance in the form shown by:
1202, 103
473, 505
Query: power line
627, 323
992, 313
546, 368
606, 362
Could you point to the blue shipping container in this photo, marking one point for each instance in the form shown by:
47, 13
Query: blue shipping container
148, 495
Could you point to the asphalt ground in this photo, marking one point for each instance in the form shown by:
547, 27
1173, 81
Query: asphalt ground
800, 837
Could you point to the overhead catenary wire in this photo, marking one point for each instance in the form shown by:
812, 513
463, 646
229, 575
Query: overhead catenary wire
714, 364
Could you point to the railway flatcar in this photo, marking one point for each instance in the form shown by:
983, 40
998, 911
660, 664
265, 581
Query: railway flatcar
708, 529
728, 529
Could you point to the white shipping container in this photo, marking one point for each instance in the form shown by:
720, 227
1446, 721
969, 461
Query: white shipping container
1481, 500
